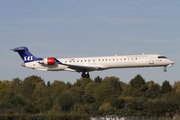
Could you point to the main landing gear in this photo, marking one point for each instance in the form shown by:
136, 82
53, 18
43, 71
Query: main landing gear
85, 75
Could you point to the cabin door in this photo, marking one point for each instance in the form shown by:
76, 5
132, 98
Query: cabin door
151, 60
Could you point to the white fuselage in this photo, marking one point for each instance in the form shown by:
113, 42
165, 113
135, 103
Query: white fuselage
106, 62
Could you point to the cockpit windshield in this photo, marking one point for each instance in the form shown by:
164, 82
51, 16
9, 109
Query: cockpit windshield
161, 57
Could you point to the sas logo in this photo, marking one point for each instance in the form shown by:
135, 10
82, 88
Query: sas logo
28, 58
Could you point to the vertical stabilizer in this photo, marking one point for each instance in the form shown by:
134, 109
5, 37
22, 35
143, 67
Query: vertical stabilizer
25, 54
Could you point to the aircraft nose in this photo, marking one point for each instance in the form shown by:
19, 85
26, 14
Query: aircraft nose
172, 62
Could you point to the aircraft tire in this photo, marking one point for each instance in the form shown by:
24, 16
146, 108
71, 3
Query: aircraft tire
83, 75
87, 75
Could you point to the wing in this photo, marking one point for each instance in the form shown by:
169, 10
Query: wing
79, 68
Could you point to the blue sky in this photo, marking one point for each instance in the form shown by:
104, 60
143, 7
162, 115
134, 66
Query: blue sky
85, 28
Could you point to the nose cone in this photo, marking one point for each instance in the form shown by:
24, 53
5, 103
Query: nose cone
172, 62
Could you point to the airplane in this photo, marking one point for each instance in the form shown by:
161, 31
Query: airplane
85, 65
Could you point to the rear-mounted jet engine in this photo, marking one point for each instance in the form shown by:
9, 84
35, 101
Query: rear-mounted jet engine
47, 61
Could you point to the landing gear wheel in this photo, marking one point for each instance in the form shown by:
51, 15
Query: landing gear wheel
83, 75
87, 75
165, 70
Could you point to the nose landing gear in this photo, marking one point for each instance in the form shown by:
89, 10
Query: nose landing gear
85, 75
165, 69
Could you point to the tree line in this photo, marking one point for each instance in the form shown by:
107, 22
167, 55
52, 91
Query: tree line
91, 97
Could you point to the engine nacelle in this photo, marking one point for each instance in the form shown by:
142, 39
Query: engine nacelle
47, 61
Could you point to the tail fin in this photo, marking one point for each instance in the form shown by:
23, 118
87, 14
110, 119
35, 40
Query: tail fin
25, 54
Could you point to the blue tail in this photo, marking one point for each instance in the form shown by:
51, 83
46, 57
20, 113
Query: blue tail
25, 54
